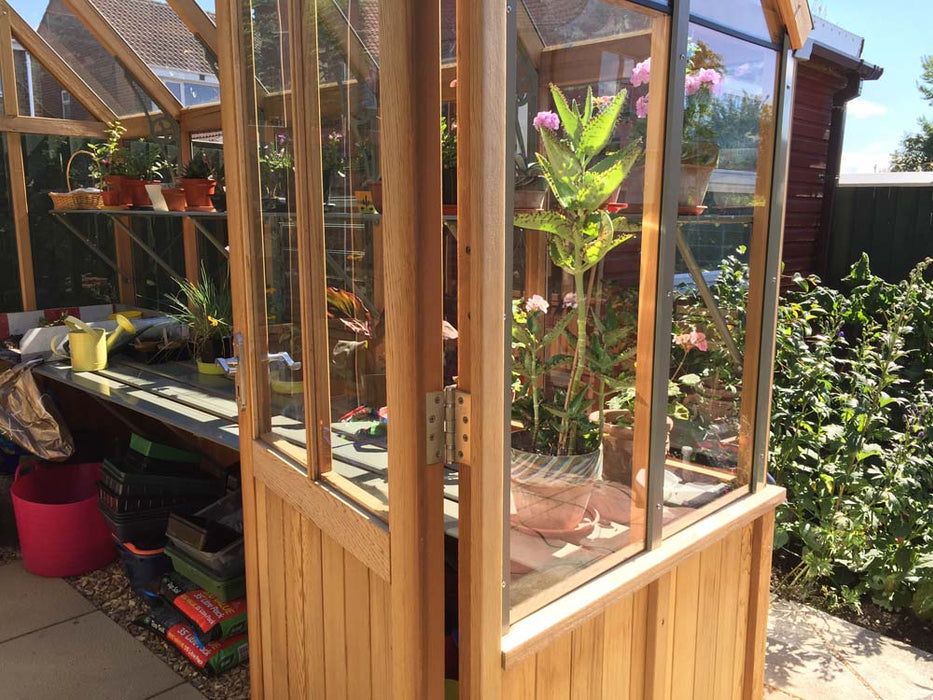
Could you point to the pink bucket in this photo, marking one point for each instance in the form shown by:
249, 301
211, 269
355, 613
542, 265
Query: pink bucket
61, 531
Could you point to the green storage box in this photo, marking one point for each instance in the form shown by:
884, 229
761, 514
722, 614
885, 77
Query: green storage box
224, 589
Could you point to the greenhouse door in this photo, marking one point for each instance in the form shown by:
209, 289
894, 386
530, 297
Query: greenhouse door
337, 288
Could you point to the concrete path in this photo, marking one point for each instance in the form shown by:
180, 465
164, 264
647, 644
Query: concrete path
814, 656
54, 644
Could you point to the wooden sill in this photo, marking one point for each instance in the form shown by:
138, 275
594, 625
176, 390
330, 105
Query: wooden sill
530, 634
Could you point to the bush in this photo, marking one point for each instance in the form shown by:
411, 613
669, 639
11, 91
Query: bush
851, 439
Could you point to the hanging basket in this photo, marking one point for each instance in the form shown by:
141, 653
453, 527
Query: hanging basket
63, 201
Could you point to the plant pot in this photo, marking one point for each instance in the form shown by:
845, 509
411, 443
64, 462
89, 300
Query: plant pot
552, 493
210, 351
694, 182
175, 199
376, 189
155, 196
529, 199
138, 195
449, 185
219, 200
118, 184
198, 192
619, 443
717, 404
113, 199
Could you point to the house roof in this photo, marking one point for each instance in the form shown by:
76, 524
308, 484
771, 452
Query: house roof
156, 33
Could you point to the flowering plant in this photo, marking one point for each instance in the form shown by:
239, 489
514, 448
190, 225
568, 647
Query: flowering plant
275, 164
110, 158
448, 143
332, 157
702, 86
580, 232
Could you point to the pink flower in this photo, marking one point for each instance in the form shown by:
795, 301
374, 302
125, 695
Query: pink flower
710, 75
453, 83
548, 120
536, 303
641, 74
691, 340
641, 107
692, 84
602, 101
570, 301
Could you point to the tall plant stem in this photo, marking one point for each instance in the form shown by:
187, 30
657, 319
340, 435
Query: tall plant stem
579, 352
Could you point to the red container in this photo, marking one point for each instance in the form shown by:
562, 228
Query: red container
138, 194
198, 192
61, 531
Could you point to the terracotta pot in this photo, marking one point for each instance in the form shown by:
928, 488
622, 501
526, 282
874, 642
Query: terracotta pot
118, 183
198, 192
376, 189
694, 183
552, 493
137, 189
175, 199
529, 199
113, 198
619, 442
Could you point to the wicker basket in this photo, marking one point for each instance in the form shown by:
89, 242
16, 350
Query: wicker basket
76, 200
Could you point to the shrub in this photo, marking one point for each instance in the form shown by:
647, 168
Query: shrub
850, 439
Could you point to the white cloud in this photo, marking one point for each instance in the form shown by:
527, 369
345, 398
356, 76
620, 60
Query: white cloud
869, 158
860, 108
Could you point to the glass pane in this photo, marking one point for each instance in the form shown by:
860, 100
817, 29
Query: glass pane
10, 296
76, 45
352, 195
746, 16
276, 200
67, 273
577, 498
725, 181
40, 94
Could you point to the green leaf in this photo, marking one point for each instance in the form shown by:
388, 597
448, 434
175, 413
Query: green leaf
563, 191
558, 328
568, 117
549, 221
565, 166
690, 380
559, 254
598, 130
588, 107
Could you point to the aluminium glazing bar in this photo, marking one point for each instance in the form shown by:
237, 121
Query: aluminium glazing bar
667, 250
782, 135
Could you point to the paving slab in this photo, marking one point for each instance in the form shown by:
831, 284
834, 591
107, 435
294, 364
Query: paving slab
32, 602
185, 691
88, 656
814, 656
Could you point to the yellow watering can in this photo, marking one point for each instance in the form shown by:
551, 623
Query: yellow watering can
89, 346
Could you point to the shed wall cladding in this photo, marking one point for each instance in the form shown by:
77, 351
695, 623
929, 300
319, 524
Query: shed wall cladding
817, 83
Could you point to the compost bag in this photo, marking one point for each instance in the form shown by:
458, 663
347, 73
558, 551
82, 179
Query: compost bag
210, 618
214, 657
29, 417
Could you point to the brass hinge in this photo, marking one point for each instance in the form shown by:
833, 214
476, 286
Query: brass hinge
447, 423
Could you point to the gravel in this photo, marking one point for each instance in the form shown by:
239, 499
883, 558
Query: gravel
108, 590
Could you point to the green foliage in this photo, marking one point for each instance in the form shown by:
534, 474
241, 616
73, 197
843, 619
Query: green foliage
581, 232
147, 161
198, 168
448, 143
916, 150
205, 308
850, 439
110, 158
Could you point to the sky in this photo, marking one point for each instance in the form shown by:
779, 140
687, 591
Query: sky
895, 38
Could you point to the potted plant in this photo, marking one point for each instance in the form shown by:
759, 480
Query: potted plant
205, 308
110, 166
700, 150
275, 168
530, 185
197, 180
333, 161
144, 166
449, 162
558, 456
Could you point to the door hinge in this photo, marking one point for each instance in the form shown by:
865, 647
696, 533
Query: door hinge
447, 424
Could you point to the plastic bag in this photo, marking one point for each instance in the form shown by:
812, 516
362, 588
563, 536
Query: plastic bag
30, 419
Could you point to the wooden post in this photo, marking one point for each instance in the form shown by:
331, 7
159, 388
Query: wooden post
17, 172
482, 307
236, 83
189, 234
197, 21
758, 603
409, 33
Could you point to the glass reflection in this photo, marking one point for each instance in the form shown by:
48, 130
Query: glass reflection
725, 181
